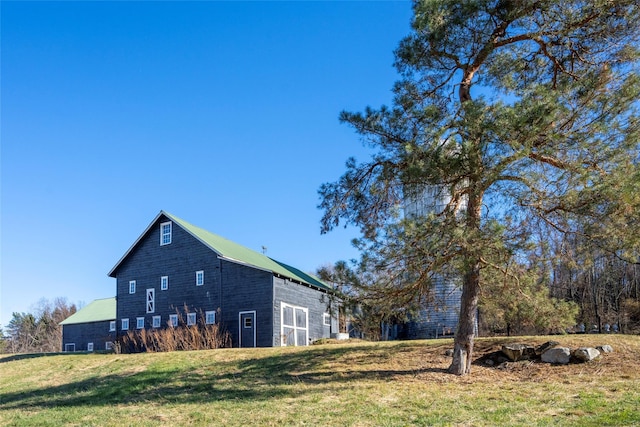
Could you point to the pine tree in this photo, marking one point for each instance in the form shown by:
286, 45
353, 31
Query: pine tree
524, 112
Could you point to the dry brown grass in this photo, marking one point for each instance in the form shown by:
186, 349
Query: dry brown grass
429, 362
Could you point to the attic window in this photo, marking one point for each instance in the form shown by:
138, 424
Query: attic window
165, 233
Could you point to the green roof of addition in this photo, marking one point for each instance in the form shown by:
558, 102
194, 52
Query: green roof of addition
99, 310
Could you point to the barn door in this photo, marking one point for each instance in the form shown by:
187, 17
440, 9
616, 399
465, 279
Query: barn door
247, 332
295, 325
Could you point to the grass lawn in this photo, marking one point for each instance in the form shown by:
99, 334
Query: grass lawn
349, 384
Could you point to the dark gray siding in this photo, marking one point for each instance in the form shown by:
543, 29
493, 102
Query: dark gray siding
83, 333
295, 294
247, 289
179, 260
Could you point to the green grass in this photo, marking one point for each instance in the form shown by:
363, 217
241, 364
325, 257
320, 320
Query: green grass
353, 384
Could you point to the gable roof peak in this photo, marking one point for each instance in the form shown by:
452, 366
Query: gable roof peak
233, 252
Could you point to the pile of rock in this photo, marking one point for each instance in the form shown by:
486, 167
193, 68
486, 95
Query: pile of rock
551, 352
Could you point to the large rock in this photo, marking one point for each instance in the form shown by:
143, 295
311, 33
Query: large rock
517, 352
605, 348
557, 355
585, 354
546, 346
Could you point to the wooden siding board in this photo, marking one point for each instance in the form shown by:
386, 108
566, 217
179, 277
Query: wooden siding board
180, 260
317, 302
81, 334
247, 289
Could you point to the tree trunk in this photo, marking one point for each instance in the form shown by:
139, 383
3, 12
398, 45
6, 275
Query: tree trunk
465, 333
463, 342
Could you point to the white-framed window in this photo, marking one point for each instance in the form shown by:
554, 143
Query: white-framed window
326, 319
200, 278
132, 286
108, 345
112, 326
191, 319
90, 346
124, 324
173, 320
294, 325
139, 322
165, 233
151, 300
70, 347
210, 317
164, 283
156, 321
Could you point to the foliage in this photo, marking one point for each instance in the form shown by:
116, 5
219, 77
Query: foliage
520, 115
519, 303
366, 305
344, 283
38, 331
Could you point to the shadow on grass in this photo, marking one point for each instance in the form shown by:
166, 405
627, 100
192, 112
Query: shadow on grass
255, 379
23, 356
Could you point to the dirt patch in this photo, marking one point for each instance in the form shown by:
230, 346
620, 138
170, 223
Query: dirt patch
416, 362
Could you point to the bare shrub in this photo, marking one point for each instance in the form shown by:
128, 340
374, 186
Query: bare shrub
200, 336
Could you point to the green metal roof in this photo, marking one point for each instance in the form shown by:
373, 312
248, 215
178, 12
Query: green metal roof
235, 252
96, 311
231, 251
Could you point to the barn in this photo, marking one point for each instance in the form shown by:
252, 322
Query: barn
176, 272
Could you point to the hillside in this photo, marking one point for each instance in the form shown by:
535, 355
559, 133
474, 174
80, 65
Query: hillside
357, 383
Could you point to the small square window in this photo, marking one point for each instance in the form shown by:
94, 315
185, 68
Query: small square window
125, 324
199, 278
90, 346
173, 320
156, 321
140, 322
108, 345
248, 322
165, 233
210, 317
191, 319
164, 283
112, 326
132, 286
326, 319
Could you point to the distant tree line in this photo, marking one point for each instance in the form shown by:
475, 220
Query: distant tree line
37, 332
602, 283
561, 285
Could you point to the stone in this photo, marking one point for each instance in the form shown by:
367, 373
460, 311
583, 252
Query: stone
546, 346
585, 354
605, 348
557, 355
448, 353
517, 352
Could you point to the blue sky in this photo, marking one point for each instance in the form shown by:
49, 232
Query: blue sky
221, 113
